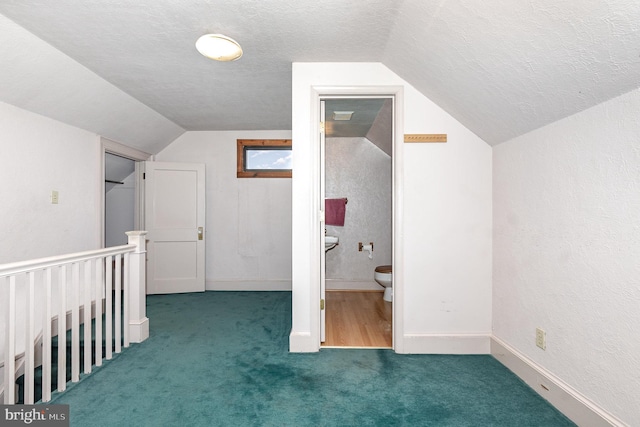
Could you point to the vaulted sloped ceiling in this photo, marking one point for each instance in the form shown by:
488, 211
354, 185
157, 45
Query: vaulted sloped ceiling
502, 68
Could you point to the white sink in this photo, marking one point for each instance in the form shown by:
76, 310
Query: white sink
330, 242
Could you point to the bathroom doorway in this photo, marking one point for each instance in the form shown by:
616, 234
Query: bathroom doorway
357, 173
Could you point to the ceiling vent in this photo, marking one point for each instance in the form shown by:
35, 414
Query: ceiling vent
342, 115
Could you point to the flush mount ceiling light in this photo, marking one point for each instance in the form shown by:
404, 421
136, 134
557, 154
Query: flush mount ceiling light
219, 47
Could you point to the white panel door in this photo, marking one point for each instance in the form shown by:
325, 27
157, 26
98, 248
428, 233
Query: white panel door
174, 219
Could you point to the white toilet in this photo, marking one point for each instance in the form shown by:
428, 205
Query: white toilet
384, 276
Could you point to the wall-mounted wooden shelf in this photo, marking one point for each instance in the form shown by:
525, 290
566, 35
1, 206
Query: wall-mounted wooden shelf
425, 137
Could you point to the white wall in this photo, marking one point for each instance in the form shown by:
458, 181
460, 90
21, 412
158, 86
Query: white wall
446, 216
248, 224
357, 169
40, 155
567, 250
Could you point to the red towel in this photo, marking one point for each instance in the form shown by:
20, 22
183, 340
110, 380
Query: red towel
334, 210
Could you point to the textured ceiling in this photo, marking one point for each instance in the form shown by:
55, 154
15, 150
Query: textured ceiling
502, 68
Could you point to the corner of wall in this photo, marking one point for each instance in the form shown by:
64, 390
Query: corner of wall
301, 342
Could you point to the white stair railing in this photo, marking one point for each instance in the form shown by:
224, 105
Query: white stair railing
38, 296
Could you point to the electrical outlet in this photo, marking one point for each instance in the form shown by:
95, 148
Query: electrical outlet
54, 197
541, 338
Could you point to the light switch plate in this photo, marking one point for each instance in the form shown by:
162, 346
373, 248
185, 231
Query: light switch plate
541, 338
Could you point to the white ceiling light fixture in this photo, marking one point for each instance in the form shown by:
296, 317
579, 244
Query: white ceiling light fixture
219, 47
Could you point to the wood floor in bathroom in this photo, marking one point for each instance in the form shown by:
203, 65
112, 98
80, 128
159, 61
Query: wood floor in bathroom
357, 319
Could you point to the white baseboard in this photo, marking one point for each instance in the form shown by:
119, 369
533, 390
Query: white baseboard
248, 285
567, 400
301, 342
447, 344
139, 331
352, 285
285, 285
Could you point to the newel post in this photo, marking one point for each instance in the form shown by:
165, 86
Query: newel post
138, 322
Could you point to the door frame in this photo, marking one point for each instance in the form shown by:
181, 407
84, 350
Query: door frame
396, 93
112, 147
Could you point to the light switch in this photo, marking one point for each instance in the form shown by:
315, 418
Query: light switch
54, 197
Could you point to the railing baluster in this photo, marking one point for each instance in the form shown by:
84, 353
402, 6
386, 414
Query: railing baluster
46, 339
108, 313
75, 290
98, 290
62, 329
86, 290
10, 344
29, 366
125, 295
75, 323
118, 304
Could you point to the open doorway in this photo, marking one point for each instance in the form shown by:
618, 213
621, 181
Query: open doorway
119, 199
357, 171
119, 183
308, 314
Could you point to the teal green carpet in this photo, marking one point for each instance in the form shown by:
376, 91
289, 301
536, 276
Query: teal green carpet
221, 359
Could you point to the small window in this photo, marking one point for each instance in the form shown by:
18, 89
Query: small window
264, 158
